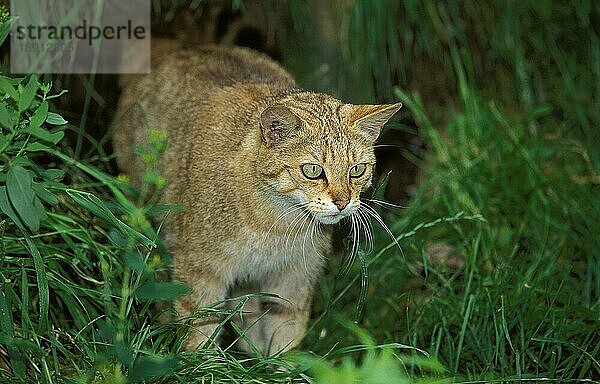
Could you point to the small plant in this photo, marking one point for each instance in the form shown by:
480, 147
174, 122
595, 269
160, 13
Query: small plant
380, 364
25, 187
71, 271
93, 282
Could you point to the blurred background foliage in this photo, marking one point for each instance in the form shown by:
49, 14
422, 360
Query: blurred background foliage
495, 157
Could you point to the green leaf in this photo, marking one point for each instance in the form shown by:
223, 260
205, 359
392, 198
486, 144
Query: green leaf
39, 208
146, 367
54, 173
25, 320
20, 193
44, 194
39, 116
5, 29
42, 282
7, 208
5, 119
156, 290
55, 119
135, 261
6, 321
7, 86
7, 335
36, 147
124, 353
28, 93
45, 135
22, 161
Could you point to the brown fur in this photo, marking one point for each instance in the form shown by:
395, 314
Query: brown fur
239, 132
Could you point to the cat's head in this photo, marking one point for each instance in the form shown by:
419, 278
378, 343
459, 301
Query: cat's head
317, 152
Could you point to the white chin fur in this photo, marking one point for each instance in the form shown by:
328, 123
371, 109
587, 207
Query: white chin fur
330, 219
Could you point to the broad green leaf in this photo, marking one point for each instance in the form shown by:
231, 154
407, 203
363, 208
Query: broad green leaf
5, 29
5, 119
135, 261
156, 290
146, 367
39, 116
19, 180
383, 369
28, 93
8, 88
54, 173
55, 119
36, 147
7, 208
123, 353
22, 161
39, 208
44, 194
44, 134
20, 193
14, 81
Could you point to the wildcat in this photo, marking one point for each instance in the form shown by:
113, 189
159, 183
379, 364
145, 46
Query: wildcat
263, 167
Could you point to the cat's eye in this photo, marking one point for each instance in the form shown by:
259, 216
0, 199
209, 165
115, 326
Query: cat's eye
312, 171
358, 170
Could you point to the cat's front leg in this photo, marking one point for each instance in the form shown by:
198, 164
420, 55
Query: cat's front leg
207, 290
286, 318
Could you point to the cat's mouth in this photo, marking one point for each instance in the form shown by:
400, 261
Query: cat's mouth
331, 218
331, 214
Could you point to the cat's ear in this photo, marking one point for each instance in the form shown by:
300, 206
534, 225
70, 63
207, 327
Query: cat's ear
369, 119
277, 122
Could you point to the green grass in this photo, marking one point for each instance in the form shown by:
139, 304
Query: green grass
509, 190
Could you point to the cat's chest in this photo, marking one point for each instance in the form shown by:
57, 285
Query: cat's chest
257, 254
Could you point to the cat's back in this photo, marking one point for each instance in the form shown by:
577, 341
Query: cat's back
224, 66
198, 95
196, 72
191, 75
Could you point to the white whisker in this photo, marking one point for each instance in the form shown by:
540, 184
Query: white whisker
298, 223
385, 204
373, 213
387, 146
315, 231
355, 234
308, 220
286, 212
366, 228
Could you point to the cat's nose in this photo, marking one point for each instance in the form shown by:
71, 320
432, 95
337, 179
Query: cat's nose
341, 203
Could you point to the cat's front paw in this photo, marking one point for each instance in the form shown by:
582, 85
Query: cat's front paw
201, 336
